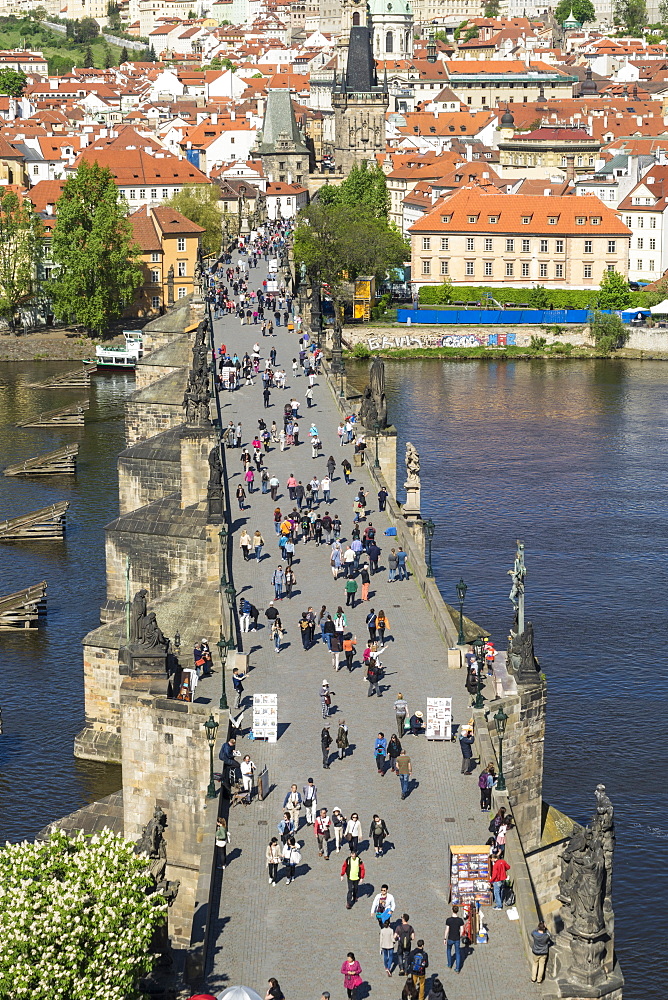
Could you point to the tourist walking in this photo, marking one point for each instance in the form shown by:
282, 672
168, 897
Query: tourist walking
373, 677
437, 991
342, 741
353, 831
351, 590
222, 840
466, 741
352, 869
310, 800
378, 832
292, 858
293, 804
325, 743
346, 468
338, 827
405, 771
383, 905
245, 542
394, 749
241, 496
274, 992
382, 498
402, 558
247, 768
379, 752
349, 644
352, 975
540, 947
371, 625
278, 580
418, 963
365, 580
400, 713
387, 948
409, 991
285, 827
273, 859
325, 699
237, 678
382, 624
258, 544
454, 926
277, 634
404, 936
322, 829
486, 784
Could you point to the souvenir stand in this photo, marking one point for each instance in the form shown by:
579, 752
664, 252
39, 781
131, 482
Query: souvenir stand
439, 719
265, 717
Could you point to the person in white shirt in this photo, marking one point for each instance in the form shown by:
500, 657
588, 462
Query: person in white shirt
247, 772
382, 907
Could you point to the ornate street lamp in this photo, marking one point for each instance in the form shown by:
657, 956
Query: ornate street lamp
461, 595
342, 375
479, 645
429, 529
222, 534
177, 641
231, 594
211, 727
222, 651
500, 721
376, 464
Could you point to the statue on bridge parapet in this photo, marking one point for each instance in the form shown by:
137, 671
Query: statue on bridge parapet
411, 508
215, 490
373, 408
145, 634
516, 597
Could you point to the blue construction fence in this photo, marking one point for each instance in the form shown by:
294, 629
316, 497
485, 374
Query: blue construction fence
489, 317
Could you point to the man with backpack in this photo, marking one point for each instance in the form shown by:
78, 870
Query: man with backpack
404, 935
352, 869
418, 963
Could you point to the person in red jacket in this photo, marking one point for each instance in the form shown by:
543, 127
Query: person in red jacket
352, 869
501, 867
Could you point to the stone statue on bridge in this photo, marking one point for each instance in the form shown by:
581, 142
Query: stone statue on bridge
373, 408
138, 610
145, 634
152, 840
516, 597
412, 465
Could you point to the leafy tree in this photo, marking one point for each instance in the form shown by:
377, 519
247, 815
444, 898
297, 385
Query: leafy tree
86, 31
151, 54
191, 15
12, 82
124, 55
70, 30
59, 65
631, 15
20, 245
471, 34
89, 60
364, 186
538, 297
92, 246
76, 919
114, 16
614, 291
491, 8
609, 331
39, 13
583, 11
200, 204
663, 11
108, 56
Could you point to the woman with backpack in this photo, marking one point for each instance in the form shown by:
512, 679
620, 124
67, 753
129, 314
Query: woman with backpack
378, 832
382, 623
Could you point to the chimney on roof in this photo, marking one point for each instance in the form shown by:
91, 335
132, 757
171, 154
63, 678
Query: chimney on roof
49, 209
214, 119
570, 167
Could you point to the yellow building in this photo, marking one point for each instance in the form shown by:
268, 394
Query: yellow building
169, 246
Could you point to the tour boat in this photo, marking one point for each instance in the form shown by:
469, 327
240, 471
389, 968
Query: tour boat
118, 357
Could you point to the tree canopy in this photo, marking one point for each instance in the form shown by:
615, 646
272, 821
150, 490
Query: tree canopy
76, 920
12, 82
92, 244
365, 187
631, 15
20, 248
200, 204
583, 11
614, 291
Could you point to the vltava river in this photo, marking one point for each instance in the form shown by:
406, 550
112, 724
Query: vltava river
572, 457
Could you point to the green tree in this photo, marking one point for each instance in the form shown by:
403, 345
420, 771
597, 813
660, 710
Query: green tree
663, 11
89, 60
70, 30
583, 11
201, 204
609, 331
76, 918
86, 31
108, 56
124, 55
471, 34
364, 186
20, 247
491, 8
614, 291
92, 244
59, 65
151, 54
12, 82
39, 13
114, 16
631, 15
538, 297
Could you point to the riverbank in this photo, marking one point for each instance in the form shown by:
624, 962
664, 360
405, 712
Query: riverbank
54, 345
552, 352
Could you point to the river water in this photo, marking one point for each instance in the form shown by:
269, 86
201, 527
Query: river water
570, 456
573, 459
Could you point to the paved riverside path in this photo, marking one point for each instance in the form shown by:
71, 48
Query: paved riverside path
300, 933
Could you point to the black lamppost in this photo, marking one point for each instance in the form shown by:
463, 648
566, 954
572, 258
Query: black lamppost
429, 529
461, 595
177, 641
342, 375
500, 720
479, 645
211, 727
222, 650
222, 534
376, 465
231, 594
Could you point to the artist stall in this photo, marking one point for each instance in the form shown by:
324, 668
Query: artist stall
470, 872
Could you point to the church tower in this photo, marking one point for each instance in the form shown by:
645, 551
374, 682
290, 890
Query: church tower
359, 106
353, 15
391, 29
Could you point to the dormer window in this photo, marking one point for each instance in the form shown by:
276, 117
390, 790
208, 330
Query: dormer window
445, 218
595, 220
553, 219
493, 219
473, 218
526, 219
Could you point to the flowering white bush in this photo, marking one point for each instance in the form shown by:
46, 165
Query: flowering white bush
75, 919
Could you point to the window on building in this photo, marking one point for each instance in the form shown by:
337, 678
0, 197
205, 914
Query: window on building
165, 193
426, 267
526, 219
639, 265
628, 220
652, 244
133, 194
389, 41
641, 222
595, 220
558, 270
155, 276
47, 273
553, 219
489, 266
525, 269
488, 244
470, 243
510, 246
579, 161
142, 193
155, 257
469, 268
640, 243
510, 269
580, 220
356, 19
445, 243
181, 244
526, 246
543, 270
611, 267
652, 222
559, 246
154, 193
493, 219
651, 265
155, 301
182, 269
543, 246
445, 267
473, 218
182, 293
586, 271
612, 246
426, 242
589, 246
